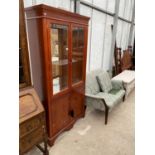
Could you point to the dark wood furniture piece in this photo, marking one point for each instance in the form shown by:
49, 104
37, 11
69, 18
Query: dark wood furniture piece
127, 60
117, 68
60, 38
133, 57
117, 56
24, 70
32, 124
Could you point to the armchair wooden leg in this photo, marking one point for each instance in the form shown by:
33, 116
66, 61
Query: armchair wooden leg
106, 115
123, 98
106, 111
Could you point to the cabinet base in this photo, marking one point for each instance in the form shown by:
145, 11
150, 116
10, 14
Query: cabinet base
52, 139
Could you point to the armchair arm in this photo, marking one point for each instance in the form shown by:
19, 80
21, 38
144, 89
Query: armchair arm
117, 84
93, 96
97, 98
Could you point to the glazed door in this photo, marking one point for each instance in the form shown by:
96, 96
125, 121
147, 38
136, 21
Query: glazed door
59, 47
77, 54
78, 70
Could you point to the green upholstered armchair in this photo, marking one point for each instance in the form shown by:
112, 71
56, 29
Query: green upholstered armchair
102, 93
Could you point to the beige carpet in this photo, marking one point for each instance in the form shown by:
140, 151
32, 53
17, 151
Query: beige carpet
90, 136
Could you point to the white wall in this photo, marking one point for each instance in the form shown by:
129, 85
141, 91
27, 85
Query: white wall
97, 38
123, 28
99, 45
100, 34
107, 43
84, 10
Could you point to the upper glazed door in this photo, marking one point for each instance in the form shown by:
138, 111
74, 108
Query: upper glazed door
77, 54
59, 44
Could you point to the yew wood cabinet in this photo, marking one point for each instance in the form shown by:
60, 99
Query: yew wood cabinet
60, 38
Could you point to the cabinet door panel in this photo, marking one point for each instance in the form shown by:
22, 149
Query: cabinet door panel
59, 57
77, 101
77, 54
60, 113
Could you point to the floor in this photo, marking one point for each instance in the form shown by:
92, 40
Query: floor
90, 136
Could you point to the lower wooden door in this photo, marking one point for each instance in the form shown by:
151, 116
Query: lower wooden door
77, 102
60, 113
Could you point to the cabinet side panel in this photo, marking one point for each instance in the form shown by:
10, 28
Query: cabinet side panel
35, 47
37, 56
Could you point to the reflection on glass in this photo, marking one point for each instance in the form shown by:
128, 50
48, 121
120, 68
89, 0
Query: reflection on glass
77, 54
59, 49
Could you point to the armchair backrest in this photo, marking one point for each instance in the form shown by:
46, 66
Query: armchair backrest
92, 86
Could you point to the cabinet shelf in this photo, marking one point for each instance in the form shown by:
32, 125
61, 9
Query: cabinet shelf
60, 62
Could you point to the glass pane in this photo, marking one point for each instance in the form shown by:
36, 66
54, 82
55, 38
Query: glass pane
59, 48
77, 54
